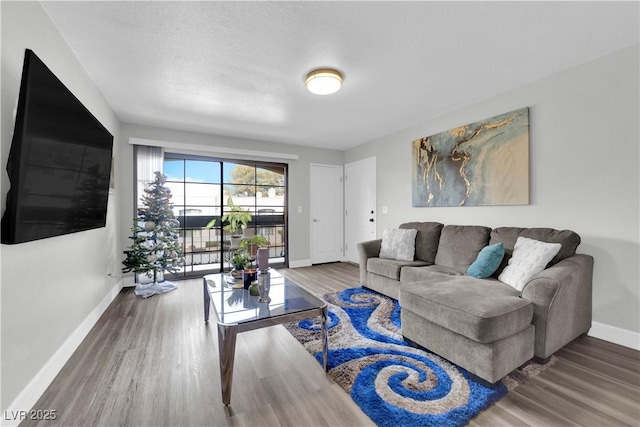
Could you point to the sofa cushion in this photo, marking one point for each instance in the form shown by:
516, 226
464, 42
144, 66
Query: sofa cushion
398, 244
426, 240
482, 310
508, 236
460, 244
487, 262
529, 258
417, 274
390, 267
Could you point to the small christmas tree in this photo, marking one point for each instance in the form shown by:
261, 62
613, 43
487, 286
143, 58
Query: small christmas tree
155, 237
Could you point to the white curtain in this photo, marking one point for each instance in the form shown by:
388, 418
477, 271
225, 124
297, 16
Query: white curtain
148, 160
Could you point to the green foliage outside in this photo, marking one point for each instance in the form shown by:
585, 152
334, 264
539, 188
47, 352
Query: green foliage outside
246, 179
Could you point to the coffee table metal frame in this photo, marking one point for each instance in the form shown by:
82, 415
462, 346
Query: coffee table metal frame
227, 332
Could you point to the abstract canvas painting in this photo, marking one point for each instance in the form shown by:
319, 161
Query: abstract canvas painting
482, 163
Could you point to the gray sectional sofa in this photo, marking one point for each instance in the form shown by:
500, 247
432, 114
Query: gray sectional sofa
484, 325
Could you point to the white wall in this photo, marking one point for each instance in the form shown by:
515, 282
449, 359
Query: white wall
584, 153
52, 290
299, 175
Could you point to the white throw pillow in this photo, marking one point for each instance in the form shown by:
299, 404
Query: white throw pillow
529, 258
398, 244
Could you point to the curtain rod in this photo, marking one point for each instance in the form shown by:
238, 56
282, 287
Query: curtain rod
211, 149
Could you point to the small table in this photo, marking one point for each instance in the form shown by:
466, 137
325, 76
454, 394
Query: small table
238, 311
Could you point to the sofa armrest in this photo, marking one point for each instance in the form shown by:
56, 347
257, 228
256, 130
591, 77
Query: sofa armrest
367, 250
561, 297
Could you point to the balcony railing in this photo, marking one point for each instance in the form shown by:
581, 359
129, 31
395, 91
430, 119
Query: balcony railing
209, 249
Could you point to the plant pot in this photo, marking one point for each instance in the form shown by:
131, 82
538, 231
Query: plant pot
253, 250
235, 241
236, 274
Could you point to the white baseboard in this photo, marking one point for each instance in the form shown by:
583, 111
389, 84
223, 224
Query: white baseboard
615, 335
300, 263
28, 397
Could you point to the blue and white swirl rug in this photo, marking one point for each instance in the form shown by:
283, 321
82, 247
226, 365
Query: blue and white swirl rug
393, 383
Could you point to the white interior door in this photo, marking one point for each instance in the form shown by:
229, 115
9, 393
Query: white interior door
360, 205
326, 213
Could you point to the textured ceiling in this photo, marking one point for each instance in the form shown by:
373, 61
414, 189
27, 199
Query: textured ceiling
238, 68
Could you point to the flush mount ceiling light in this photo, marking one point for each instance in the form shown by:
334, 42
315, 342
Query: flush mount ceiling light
324, 81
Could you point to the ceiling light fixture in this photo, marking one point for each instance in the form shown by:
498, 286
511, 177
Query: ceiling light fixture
324, 81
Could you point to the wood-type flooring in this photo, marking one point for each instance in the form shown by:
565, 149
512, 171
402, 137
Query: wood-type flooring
154, 362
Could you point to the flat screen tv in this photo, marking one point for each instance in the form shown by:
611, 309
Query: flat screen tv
59, 164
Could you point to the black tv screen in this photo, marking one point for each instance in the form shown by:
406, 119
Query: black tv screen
59, 164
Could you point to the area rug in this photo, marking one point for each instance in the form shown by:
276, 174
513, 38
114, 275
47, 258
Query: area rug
393, 383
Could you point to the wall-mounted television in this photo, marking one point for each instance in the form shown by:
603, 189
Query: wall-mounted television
59, 165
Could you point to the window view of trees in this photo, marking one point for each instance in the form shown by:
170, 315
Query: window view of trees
250, 179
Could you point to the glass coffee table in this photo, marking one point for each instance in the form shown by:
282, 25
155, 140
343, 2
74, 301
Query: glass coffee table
237, 311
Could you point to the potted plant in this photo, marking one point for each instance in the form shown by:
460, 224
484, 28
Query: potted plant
235, 221
253, 243
239, 260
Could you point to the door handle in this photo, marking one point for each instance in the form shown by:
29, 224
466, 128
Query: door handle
316, 220
371, 220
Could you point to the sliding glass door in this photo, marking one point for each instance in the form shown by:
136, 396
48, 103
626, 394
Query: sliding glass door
201, 188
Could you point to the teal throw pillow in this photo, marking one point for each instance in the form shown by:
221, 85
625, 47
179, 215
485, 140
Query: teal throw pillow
487, 262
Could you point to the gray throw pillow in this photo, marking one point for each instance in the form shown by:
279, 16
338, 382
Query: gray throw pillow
398, 244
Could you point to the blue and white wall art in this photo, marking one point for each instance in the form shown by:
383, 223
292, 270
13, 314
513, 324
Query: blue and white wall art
482, 163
